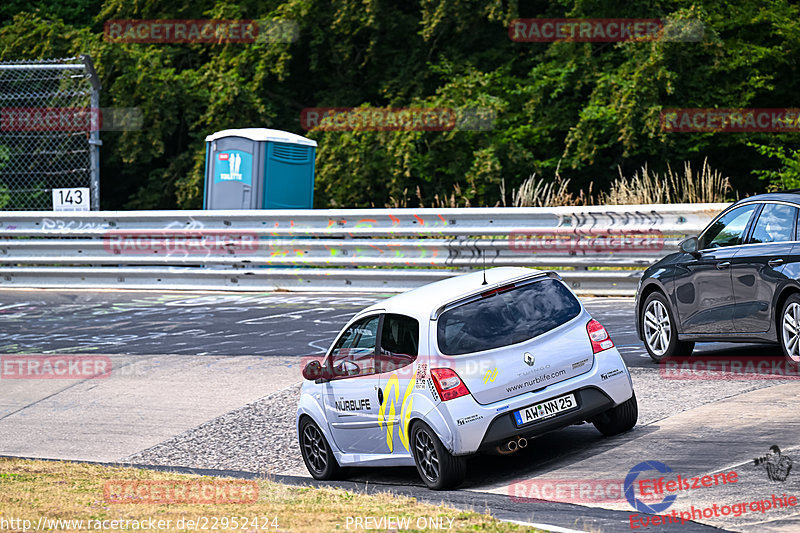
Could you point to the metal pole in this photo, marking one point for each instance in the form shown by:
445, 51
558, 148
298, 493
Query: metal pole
94, 135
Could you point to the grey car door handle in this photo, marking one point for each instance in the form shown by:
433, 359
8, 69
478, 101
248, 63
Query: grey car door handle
723, 265
775, 262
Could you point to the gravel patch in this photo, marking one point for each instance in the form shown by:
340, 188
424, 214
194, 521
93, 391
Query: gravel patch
260, 437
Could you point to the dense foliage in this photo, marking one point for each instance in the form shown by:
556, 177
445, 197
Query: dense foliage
589, 106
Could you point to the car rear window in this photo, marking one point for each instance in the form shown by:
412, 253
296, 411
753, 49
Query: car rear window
506, 317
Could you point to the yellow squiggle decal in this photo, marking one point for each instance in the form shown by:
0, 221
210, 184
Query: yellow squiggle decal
392, 385
405, 414
388, 418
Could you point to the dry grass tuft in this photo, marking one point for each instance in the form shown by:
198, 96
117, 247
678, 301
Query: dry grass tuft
536, 192
644, 187
647, 187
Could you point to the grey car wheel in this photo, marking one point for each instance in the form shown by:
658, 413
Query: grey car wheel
659, 330
790, 329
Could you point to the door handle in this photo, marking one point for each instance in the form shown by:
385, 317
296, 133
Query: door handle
723, 265
380, 396
775, 262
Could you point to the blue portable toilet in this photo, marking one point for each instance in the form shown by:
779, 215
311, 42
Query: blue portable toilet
259, 168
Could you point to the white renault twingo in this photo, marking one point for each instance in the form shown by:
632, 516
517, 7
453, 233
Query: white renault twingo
482, 361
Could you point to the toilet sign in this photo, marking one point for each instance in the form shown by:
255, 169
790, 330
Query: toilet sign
234, 166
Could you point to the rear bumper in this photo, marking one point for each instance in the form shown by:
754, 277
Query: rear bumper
591, 401
477, 426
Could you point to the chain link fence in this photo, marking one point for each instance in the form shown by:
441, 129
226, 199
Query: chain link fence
49, 137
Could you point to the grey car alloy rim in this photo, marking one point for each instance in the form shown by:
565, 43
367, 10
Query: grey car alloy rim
426, 455
657, 330
314, 448
791, 331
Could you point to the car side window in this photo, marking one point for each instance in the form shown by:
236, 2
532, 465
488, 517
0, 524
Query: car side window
354, 352
727, 230
774, 224
399, 342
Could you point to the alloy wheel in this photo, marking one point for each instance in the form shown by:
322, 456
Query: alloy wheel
791, 331
657, 328
426, 455
314, 448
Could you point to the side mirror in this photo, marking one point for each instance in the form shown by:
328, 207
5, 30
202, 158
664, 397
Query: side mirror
313, 371
689, 246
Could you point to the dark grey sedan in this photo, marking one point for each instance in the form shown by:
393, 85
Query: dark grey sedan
736, 282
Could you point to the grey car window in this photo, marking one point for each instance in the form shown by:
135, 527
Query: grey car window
399, 341
775, 224
728, 229
354, 353
506, 318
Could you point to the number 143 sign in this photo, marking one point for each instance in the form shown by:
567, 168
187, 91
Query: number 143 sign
75, 199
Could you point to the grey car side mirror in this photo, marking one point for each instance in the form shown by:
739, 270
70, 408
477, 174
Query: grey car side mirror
689, 246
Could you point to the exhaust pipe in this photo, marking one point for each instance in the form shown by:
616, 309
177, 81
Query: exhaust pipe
513, 445
508, 448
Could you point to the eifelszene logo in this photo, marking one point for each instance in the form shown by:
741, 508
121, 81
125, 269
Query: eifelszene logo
630, 495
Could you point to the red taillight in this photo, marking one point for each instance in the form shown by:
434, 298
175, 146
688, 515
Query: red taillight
448, 384
599, 336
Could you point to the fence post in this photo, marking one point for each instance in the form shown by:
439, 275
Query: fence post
94, 136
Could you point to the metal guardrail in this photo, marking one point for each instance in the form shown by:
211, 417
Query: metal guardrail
387, 250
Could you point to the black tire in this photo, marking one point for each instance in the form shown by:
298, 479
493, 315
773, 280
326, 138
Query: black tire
438, 468
659, 330
316, 451
618, 419
789, 329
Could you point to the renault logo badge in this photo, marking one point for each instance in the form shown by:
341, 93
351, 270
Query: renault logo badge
528, 358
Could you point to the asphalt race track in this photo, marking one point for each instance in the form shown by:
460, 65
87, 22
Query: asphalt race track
183, 360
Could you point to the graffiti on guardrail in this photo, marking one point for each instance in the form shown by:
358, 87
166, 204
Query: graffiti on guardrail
55, 224
611, 218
